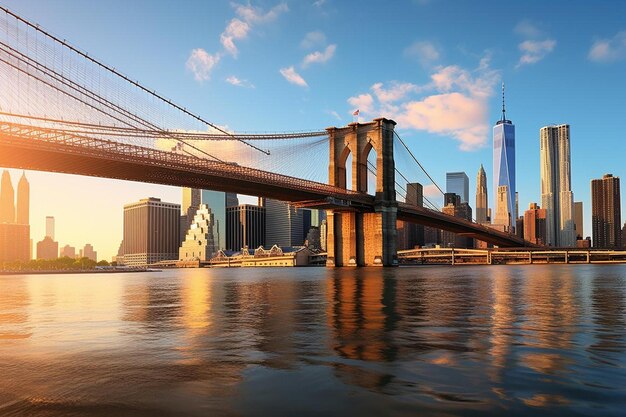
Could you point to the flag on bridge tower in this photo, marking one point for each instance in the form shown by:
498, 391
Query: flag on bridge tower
356, 112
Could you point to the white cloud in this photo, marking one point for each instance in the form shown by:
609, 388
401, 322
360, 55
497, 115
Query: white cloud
238, 82
313, 39
293, 77
318, 57
457, 105
397, 91
608, 50
431, 191
239, 28
535, 51
425, 52
363, 102
319, 3
201, 63
527, 29
335, 115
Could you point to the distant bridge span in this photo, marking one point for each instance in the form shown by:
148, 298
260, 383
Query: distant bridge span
27, 147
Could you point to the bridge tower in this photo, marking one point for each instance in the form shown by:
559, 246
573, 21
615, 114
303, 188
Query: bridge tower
355, 237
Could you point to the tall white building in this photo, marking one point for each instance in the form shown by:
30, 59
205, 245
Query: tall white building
504, 171
50, 227
556, 191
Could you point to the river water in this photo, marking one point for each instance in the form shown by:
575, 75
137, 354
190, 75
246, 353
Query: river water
438, 341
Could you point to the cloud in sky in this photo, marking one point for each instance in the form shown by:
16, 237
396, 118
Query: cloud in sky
431, 191
527, 29
313, 39
456, 106
293, 77
318, 57
609, 50
239, 27
425, 52
535, 51
200, 63
535, 46
238, 82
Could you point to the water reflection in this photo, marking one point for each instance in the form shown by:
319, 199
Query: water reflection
453, 341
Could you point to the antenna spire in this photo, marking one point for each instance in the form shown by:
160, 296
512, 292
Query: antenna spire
503, 108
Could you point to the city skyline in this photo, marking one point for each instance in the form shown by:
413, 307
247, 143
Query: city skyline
527, 77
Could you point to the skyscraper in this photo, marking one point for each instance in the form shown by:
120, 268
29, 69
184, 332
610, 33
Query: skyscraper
283, 224
578, 219
23, 201
151, 231
458, 183
190, 203
198, 243
606, 217
411, 235
245, 226
217, 202
50, 227
7, 199
535, 224
14, 235
556, 192
88, 252
504, 169
481, 196
47, 248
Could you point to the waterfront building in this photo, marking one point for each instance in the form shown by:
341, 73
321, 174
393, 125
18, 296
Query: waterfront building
323, 235
624, 236
15, 242
504, 169
88, 252
578, 219
556, 192
217, 202
519, 227
410, 234
22, 212
245, 227
481, 196
606, 212
67, 251
199, 241
7, 199
50, 227
457, 209
151, 231
535, 224
283, 224
190, 203
306, 223
503, 215
458, 183
47, 249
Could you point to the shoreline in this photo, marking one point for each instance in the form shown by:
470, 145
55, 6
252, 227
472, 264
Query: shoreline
79, 271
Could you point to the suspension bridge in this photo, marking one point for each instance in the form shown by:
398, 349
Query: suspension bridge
62, 110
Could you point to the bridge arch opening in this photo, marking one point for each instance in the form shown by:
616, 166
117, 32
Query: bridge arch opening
368, 170
344, 169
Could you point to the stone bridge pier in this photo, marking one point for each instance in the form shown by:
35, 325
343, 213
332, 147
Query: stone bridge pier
358, 238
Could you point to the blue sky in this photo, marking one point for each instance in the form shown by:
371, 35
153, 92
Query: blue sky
434, 66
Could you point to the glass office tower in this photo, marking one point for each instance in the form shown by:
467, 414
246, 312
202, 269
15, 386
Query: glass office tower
504, 168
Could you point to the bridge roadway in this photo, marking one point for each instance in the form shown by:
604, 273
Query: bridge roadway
37, 148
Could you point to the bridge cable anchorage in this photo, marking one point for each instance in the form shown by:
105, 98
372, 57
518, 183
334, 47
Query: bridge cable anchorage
124, 77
